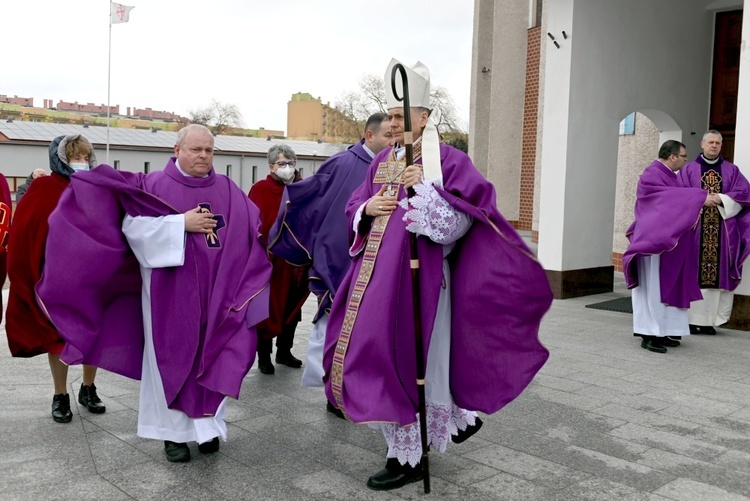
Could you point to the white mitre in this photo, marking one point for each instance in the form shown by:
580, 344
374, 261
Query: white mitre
418, 81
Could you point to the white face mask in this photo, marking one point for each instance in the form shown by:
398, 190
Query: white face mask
286, 173
79, 166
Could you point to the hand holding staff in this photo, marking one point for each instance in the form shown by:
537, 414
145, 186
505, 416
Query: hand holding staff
408, 140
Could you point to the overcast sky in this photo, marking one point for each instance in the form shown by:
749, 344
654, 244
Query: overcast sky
178, 55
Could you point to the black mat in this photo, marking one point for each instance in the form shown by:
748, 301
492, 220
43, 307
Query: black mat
621, 304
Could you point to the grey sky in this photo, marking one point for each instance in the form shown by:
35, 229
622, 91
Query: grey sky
177, 55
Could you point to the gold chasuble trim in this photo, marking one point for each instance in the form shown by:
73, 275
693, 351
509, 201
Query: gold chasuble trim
390, 173
708, 272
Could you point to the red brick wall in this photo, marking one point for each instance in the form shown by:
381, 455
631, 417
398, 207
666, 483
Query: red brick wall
617, 261
531, 107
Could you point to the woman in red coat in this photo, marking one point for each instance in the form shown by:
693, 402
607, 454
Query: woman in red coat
29, 331
288, 282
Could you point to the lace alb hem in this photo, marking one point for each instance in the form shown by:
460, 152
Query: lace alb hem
443, 422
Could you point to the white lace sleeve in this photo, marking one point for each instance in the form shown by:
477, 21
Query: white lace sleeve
428, 214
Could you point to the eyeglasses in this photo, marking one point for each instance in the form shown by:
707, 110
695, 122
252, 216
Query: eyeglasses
284, 164
682, 156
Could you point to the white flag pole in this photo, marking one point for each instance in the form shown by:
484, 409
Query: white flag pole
109, 75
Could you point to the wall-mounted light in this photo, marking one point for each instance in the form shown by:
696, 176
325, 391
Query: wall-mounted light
565, 35
556, 44
551, 37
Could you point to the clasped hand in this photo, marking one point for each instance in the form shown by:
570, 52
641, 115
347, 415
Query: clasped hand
199, 220
381, 204
712, 200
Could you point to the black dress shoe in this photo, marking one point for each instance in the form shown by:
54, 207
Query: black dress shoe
394, 475
668, 342
209, 447
88, 398
651, 344
334, 410
289, 360
264, 364
676, 338
176, 452
702, 329
61, 408
469, 431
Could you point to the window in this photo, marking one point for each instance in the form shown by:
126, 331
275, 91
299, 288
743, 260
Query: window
117, 165
146, 167
627, 125
301, 172
255, 173
229, 170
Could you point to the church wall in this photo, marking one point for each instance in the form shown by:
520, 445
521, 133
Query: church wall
635, 153
508, 69
481, 84
742, 155
539, 128
618, 57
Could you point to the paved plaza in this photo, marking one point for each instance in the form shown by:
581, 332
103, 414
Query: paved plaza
604, 419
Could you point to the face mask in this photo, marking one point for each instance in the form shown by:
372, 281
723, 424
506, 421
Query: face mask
79, 166
285, 173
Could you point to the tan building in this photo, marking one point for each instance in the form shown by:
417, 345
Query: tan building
308, 119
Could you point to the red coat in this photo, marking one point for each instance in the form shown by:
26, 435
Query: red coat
6, 208
29, 331
288, 282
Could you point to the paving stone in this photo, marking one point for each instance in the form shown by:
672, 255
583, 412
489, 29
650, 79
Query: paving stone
603, 420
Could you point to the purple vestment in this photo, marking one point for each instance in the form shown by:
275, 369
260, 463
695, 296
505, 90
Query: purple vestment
499, 294
666, 216
312, 223
734, 233
203, 312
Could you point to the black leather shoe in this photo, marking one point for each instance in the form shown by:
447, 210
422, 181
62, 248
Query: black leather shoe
469, 431
264, 364
676, 338
394, 475
668, 342
702, 329
61, 408
176, 452
289, 360
652, 345
209, 447
334, 410
88, 398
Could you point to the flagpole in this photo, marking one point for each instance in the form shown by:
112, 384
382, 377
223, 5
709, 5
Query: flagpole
109, 75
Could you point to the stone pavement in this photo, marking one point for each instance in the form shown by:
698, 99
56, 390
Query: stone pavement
604, 419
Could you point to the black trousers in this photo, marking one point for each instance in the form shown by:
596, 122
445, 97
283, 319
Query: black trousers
284, 341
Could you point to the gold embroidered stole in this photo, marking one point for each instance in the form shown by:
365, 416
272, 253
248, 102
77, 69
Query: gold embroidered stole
708, 267
389, 173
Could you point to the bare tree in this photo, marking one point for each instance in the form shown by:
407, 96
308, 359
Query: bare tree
217, 116
370, 98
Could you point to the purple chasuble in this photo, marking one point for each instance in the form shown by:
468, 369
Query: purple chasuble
734, 233
312, 223
203, 312
666, 217
499, 293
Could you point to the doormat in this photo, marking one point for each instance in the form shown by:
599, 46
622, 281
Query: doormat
621, 304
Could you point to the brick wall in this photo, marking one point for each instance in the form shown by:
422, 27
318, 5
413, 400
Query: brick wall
617, 261
528, 152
